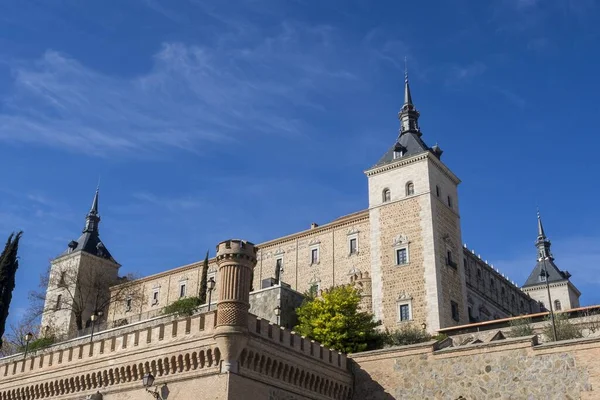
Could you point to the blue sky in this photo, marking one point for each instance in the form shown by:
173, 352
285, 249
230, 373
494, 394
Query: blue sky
207, 120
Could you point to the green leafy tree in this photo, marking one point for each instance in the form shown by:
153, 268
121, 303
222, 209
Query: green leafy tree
521, 327
334, 320
9, 264
187, 306
203, 281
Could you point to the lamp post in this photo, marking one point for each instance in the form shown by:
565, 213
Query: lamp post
211, 287
28, 337
277, 313
544, 274
94, 317
148, 381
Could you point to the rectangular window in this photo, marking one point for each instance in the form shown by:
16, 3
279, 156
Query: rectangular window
353, 247
128, 304
437, 191
449, 201
404, 311
182, 290
449, 260
155, 297
454, 307
314, 256
402, 256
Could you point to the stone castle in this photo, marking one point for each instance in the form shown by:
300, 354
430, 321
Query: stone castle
404, 252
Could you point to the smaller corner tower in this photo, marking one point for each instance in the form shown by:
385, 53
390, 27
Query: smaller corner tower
235, 262
547, 279
79, 280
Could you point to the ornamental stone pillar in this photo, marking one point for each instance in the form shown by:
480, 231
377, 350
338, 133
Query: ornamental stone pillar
235, 264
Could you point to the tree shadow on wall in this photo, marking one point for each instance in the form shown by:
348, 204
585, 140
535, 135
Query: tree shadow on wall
365, 387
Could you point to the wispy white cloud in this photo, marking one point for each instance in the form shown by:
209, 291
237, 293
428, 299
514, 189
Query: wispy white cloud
193, 95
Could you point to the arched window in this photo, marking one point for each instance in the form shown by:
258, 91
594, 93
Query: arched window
58, 302
557, 305
387, 195
410, 189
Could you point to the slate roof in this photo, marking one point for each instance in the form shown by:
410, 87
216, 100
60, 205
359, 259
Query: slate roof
410, 143
554, 273
89, 241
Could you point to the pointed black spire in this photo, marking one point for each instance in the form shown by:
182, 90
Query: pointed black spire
408, 115
92, 219
542, 243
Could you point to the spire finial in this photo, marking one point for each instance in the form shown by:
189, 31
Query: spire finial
405, 70
541, 233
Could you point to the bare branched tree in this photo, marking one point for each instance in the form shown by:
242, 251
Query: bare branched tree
82, 291
14, 340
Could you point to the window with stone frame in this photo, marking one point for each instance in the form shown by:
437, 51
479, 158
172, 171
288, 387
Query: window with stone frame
58, 305
155, 297
353, 245
454, 309
404, 306
314, 255
410, 189
402, 256
557, 305
182, 290
386, 195
449, 259
404, 312
128, 302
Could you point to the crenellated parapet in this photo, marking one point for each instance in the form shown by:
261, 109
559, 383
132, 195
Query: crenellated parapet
362, 282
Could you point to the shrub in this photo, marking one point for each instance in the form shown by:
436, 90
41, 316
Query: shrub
39, 343
407, 335
565, 330
520, 327
186, 306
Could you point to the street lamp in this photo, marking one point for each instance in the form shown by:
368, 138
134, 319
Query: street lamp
544, 274
28, 337
148, 381
423, 326
211, 287
94, 317
277, 313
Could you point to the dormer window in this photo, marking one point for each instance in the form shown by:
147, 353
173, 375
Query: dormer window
410, 189
386, 195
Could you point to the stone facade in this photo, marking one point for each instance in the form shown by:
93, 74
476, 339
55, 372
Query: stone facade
506, 369
490, 295
71, 278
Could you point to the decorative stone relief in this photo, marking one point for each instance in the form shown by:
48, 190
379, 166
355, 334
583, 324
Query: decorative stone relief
314, 242
352, 231
400, 240
404, 296
279, 252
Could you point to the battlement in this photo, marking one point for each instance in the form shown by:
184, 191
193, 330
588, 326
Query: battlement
236, 248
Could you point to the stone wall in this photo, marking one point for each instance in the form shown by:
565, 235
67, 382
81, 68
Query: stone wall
504, 369
183, 355
264, 301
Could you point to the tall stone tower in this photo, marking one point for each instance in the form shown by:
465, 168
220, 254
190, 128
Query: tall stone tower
416, 247
545, 273
79, 279
235, 262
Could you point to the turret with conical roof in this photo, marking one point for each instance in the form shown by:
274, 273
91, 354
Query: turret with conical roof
562, 291
89, 241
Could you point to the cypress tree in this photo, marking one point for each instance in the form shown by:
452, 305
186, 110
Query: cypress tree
8, 269
203, 281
